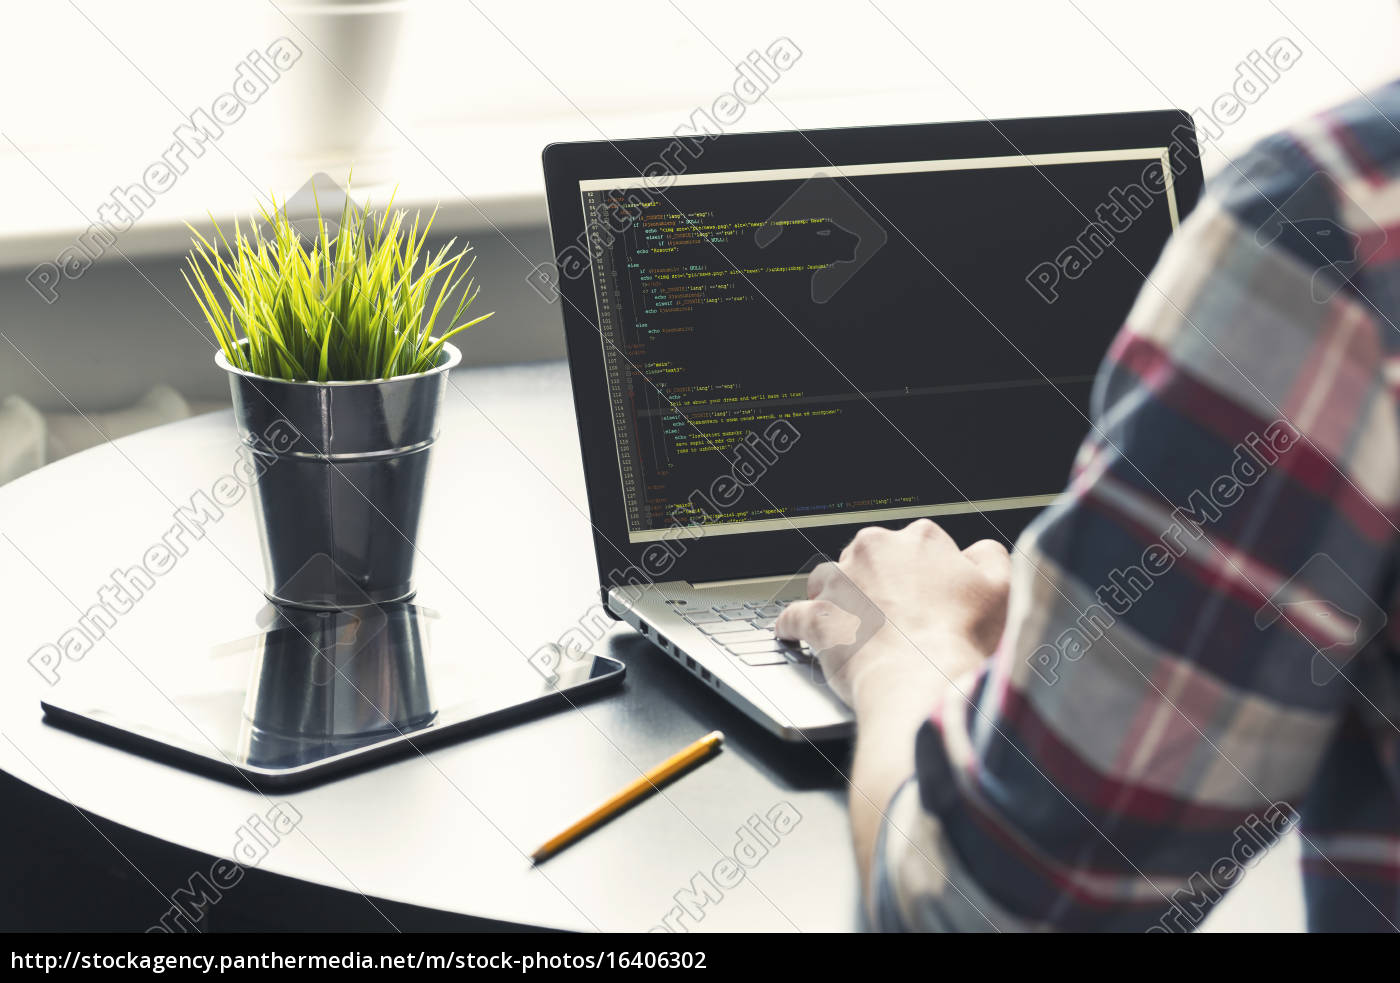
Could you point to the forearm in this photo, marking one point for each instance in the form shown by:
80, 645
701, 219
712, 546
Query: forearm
892, 699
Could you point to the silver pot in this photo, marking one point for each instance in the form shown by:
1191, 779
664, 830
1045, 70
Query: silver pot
344, 466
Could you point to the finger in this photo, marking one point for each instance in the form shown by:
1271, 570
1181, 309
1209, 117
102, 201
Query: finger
791, 621
813, 622
820, 576
991, 556
845, 597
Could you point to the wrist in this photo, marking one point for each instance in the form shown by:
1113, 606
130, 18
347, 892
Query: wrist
905, 673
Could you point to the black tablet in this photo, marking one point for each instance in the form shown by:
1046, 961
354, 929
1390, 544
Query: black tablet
309, 695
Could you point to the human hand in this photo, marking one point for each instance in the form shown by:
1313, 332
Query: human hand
901, 604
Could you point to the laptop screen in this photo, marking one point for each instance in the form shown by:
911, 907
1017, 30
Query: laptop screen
863, 343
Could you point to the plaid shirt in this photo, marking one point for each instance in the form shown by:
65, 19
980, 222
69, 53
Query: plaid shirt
1198, 654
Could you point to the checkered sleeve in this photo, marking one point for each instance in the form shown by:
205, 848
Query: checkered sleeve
1184, 617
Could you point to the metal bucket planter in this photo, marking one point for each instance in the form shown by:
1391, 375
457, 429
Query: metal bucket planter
341, 485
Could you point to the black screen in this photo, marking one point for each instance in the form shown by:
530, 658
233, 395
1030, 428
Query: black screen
925, 335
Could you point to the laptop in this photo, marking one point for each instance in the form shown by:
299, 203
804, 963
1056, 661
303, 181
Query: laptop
775, 339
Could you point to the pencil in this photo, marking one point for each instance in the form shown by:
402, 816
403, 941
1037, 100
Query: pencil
634, 792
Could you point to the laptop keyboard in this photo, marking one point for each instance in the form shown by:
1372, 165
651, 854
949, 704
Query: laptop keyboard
745, 632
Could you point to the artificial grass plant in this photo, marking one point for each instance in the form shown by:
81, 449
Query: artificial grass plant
356, 305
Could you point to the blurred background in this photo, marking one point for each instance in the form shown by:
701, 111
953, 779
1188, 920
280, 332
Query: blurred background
125, 119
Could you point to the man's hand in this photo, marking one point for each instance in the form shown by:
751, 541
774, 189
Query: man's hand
893, 623
901, 603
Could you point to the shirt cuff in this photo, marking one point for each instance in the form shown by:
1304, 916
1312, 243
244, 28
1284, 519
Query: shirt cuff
918, 884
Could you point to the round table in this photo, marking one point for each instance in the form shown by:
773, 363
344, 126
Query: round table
505, 545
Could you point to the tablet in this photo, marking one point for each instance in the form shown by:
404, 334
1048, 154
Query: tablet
309, 695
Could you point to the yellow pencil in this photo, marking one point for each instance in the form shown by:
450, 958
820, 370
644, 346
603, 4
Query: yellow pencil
634, 792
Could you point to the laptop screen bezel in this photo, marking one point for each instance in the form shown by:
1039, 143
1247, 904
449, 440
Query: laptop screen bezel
699, 558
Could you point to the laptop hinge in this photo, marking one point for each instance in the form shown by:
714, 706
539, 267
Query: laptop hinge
637, 590
746, 581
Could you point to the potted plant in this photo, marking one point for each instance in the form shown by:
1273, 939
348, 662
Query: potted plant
332, 339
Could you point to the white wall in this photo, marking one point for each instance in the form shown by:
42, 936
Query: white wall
92, 100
